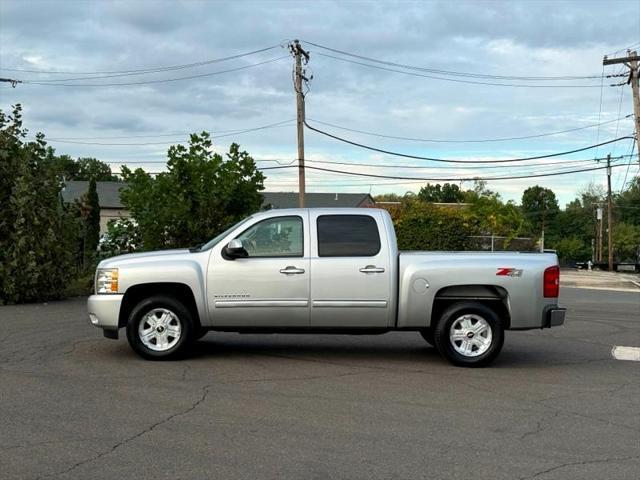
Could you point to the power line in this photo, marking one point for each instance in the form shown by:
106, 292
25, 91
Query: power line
451, 179
455, 73
474, 167
214, 135
177, 134
419, 157
280, 161
456, 80
419, 179
142, 70
456, 179
624, 49
429, 140
624, 182
148, 82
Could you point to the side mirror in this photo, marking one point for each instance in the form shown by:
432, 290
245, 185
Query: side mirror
234, 250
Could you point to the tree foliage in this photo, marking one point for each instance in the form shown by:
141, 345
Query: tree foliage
200, 195
447, 193
84, 168
422, 226
92, 220
626, 242
121, 237
540, 207
37, 231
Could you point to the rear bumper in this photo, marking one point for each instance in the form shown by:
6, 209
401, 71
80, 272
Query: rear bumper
104, 312
553, 317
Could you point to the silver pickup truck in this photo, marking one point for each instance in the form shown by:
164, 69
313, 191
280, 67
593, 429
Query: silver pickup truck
324, 271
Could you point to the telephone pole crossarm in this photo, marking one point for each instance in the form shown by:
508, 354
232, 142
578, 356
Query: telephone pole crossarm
631, 62
12, 81
629, 58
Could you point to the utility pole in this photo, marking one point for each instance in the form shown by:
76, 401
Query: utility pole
600, 223
299, 54
609, 215
599, 227
631, 61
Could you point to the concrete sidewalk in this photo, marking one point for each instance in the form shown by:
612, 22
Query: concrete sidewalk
624, 282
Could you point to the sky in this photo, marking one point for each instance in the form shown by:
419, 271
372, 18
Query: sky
84, 115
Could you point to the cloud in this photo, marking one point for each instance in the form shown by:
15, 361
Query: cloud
498, 38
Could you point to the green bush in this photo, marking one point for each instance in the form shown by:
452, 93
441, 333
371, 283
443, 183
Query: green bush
572, 249
38, 233
423, 226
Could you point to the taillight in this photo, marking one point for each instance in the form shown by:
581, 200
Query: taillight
551, 283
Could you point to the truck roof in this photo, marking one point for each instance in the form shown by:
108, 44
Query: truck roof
328, 210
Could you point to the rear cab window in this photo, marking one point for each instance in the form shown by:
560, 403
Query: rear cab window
347, 236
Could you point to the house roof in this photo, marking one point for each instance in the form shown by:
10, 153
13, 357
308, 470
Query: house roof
316, 200
109, 196
108, 192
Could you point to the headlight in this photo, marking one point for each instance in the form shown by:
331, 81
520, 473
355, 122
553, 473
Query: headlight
107, 280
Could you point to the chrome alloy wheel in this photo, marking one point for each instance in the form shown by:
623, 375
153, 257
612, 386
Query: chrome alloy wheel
159, 329
470, 335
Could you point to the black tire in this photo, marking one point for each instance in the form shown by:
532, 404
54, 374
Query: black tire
479, 311
181, 315
201, 333
427, 334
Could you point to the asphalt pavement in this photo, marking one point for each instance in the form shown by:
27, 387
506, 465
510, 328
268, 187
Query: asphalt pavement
555, 405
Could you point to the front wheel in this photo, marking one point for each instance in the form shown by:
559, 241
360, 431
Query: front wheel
160, 328
469, 334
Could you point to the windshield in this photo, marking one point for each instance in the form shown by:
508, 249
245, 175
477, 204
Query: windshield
214, 241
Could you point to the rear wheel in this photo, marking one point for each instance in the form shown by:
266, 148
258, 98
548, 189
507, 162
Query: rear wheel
160, 328
469, 334
201, 333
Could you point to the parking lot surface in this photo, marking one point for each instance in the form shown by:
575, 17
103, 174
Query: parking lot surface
555, 405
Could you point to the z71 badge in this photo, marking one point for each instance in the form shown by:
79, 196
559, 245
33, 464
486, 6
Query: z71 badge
509, 272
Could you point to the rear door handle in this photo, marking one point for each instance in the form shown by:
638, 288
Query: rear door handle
291, 270
372, 269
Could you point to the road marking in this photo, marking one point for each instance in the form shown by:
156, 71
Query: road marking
626, 353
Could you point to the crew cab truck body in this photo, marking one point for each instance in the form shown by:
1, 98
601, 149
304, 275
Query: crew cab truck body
324, 271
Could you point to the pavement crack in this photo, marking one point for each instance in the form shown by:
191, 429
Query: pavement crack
570, 464
75, 345
292, 379
185, 369
539, 428
205, 392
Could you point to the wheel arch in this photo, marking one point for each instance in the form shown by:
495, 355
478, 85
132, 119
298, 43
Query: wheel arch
493, 296
136, 293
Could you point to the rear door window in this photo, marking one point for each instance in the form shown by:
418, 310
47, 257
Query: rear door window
347, 236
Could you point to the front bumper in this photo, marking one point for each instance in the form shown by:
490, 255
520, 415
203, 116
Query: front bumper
553, 317
104, 312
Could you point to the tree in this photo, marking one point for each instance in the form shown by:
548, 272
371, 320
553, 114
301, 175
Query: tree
540, 206
37, 232
626, 242
447, 193
627, 203
199, 196
572, 249
85, 168
92, 220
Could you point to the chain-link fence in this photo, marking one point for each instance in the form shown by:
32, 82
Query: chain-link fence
496, 243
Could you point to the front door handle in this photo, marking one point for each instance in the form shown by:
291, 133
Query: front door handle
372, 269
291, 270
